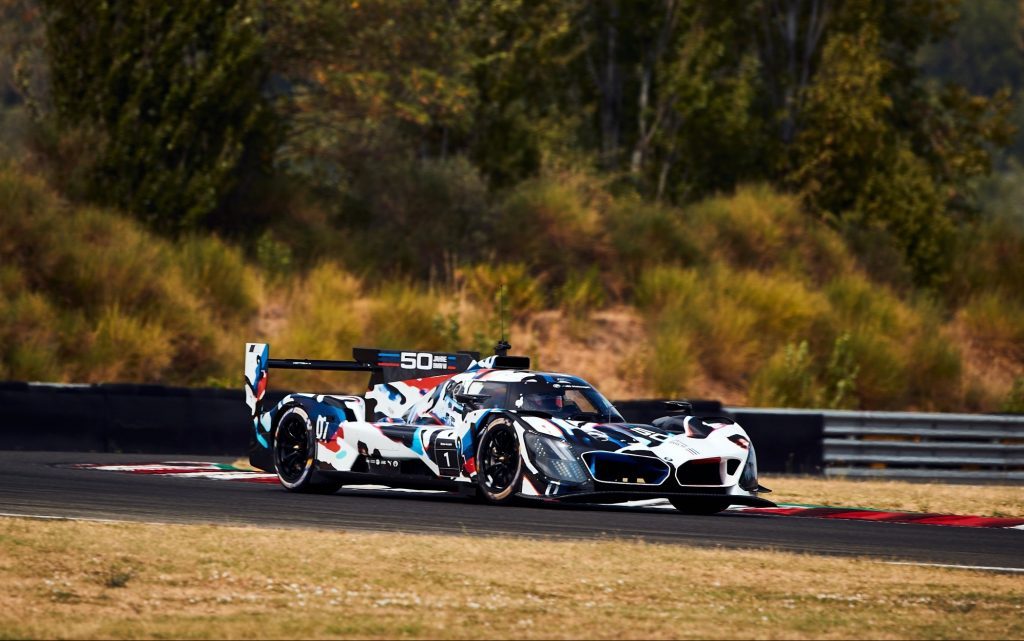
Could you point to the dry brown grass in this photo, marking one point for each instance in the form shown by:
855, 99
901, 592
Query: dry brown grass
983, 500
93, 580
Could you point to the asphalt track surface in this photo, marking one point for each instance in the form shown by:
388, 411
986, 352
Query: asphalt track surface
42, 484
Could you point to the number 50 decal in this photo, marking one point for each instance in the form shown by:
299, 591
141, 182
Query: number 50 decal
423, 360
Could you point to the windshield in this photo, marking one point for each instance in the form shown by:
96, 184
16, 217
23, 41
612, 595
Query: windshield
561, 397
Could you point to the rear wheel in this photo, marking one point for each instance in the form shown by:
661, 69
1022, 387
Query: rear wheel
499, 462
701, 505
295, 455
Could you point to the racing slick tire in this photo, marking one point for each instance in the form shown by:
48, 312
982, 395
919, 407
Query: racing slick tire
499, 462
696, 506
294, 450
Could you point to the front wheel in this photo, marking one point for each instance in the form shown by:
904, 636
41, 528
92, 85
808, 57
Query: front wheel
295, 455
702, 506
499, 462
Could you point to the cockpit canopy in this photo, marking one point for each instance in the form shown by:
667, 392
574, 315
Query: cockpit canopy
562, 397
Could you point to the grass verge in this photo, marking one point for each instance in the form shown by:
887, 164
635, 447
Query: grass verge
87, 580
900, 496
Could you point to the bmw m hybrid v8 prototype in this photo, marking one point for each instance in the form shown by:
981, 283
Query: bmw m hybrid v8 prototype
494, 426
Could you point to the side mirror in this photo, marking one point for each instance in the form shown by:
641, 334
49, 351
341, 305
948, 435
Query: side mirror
471, 401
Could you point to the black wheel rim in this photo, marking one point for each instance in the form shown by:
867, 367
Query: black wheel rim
501, 459
291, 449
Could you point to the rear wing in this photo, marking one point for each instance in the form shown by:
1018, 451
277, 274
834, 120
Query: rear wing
384, 366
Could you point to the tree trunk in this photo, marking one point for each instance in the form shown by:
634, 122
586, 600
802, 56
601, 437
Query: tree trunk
611, 90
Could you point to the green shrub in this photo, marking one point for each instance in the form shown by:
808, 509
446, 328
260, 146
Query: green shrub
646, 235
125, 348
402, 316
1015, 399
859, 303
485, 285
758, 228
582, 292
273, 255
989, 251
554, 224
671, 365
217, 273
787, 379
29, 338
996, 322
937, 367
883, 372
418, 218
840, 379
91, 295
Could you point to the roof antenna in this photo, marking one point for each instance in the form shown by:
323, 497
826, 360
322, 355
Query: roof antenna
501, 349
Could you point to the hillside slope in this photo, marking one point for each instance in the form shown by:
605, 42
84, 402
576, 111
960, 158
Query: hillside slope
741, 298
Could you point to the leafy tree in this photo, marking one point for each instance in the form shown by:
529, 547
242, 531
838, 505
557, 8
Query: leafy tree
364, 83
985, 55
845, 123
169, 96
525, 111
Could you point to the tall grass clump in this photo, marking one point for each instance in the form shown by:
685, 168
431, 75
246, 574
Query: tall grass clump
670, 367
759, 228
735, 320
849, 344
320, 315
645, 235
127, 348
484, 286
582, 293
996, 323
683, 310
553, 224
89, 295
788, 379
217, 273
30, 343
404, 315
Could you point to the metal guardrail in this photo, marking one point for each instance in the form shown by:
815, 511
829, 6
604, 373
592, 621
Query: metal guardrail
915, 445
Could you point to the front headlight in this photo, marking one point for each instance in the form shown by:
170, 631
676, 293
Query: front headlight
748, 480
555, 458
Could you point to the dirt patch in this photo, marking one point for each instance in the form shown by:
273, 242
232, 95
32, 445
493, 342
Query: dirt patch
989, 369
601, 347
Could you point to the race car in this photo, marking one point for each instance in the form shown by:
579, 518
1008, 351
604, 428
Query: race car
493, 427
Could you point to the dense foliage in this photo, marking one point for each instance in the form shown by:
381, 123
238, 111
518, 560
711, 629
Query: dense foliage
673, 100
679, 157
167, 98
